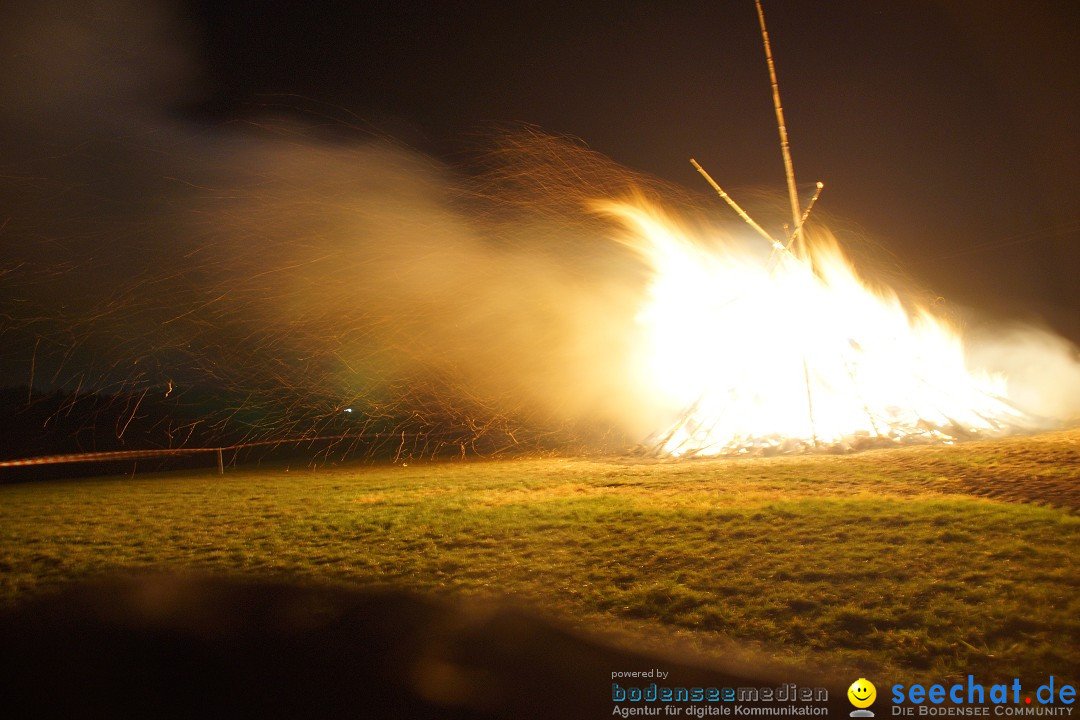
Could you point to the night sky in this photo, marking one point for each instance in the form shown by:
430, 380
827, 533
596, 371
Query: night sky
943, 130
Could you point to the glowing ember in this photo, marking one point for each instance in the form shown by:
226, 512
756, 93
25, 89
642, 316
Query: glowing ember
795, 352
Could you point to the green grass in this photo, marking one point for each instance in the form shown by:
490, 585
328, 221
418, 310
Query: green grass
890, 562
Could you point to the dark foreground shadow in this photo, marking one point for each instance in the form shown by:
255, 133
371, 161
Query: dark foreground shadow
183, 647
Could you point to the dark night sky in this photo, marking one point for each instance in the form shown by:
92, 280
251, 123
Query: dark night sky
945, 130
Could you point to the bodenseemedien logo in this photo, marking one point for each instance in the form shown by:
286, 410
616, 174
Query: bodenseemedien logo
862, 695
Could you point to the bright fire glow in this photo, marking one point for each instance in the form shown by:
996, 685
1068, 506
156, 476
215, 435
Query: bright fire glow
789, 354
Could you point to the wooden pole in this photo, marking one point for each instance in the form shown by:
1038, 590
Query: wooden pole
785, 148
809, 400
735, 206
220, 463
806, 214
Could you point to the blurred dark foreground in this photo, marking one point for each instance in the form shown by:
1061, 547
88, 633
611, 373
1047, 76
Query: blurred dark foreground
184, 647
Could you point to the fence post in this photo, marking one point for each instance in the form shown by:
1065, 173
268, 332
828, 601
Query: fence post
220, 463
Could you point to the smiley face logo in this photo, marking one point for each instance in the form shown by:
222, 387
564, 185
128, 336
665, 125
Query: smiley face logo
862, 693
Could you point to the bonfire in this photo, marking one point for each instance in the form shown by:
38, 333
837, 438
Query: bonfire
793, 351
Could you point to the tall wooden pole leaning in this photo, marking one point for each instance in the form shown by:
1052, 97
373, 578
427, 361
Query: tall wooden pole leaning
796, 242
785, 148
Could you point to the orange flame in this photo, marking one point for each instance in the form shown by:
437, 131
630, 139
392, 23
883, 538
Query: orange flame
793, 354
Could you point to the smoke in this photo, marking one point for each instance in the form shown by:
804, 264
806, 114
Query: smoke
284, 284
1043, 370
273, 279
351, 270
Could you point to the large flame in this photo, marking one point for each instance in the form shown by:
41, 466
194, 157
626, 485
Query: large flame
793, 352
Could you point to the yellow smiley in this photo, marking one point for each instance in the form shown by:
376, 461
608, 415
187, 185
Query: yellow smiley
862, 693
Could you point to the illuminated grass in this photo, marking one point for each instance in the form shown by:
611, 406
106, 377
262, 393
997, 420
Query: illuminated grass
884, 561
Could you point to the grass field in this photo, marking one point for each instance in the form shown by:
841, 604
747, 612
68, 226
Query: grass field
929, 562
